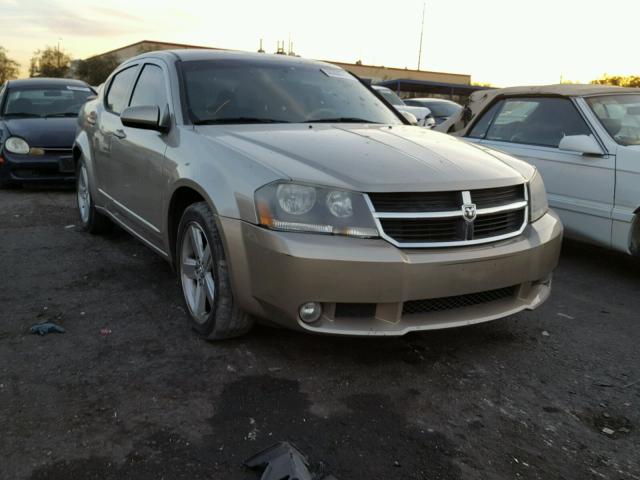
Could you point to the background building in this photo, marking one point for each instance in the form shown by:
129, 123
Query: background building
406, 82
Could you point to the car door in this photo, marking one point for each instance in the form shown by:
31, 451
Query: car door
138, 157
108, 125
580, 187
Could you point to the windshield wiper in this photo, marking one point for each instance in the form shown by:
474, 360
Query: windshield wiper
340, 120
232, 120
65, 114
21, 114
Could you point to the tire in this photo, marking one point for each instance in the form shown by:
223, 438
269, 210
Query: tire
204, 276
91, 220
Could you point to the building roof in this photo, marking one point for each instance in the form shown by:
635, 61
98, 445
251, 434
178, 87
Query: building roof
170, 45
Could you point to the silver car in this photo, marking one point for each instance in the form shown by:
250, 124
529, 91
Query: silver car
285, 189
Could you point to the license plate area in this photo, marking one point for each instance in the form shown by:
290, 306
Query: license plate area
66, 165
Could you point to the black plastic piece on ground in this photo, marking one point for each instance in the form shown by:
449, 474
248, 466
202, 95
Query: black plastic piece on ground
282, 461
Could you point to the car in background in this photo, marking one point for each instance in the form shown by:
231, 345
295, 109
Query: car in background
441, 109
422, 114
38, 119
284, 189
584, 140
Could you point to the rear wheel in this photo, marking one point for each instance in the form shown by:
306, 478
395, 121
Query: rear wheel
204, 276
92, 221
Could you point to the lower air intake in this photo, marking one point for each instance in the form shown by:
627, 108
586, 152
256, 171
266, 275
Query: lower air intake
415, 307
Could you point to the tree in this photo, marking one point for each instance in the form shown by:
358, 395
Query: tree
50, 62
619, 81
9, 68
95, 70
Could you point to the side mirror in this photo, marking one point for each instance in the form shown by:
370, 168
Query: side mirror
584, 144
146, 117
410, 117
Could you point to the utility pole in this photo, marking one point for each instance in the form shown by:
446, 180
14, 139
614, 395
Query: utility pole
424, 7
58, 54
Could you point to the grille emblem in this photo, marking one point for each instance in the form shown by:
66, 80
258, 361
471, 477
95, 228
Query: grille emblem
469, 212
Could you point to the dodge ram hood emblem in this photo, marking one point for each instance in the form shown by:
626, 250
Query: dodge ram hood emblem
469, 212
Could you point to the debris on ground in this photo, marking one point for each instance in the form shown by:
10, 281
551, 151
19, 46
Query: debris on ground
46, 327
545, 333
564, 315
105, 331
283, 461
608, 431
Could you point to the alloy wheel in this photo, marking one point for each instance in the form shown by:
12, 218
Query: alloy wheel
84, 197
196, 273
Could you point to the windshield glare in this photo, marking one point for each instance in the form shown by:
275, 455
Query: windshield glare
619, 115
239, 91
46, 101
391, 97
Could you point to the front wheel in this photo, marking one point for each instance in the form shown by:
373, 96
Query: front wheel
92, 221
204, 276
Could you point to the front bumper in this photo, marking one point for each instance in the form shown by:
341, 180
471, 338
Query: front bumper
50, 167
273, 273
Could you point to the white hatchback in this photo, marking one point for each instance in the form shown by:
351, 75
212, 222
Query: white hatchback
584, 139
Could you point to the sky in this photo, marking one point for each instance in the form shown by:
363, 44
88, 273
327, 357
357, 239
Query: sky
502, 42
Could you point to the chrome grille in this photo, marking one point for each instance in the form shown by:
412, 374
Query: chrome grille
454, 218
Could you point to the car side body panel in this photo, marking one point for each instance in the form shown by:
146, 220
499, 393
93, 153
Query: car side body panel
626, 211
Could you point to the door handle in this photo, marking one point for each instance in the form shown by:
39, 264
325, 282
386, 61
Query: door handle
119, 133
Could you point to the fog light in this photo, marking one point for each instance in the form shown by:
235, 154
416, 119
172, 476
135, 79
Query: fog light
310, 312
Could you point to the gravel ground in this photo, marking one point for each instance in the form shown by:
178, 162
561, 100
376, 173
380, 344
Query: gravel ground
525, 397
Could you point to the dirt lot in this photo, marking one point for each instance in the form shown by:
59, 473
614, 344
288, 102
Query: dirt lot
526, 397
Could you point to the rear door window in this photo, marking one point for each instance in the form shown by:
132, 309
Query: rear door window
542, 121
118, 95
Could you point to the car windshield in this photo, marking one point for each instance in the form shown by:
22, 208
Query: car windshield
442, 109
619, 115
52, 101
240, 91
391, 97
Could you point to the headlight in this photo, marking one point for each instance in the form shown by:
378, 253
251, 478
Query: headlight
305, 208
16, 145
537, 197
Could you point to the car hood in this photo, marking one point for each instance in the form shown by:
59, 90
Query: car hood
367, 158
44, 132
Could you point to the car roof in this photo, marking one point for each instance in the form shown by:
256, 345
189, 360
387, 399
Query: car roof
434, 100
196, 54
45, 82
567, 90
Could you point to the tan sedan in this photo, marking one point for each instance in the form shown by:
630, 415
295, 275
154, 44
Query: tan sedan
286, 190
